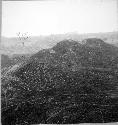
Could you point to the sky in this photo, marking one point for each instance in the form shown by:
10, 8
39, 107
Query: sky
47, 17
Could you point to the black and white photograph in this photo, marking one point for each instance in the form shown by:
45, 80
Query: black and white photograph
59, 62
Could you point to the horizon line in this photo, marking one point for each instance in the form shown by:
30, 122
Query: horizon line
41, 35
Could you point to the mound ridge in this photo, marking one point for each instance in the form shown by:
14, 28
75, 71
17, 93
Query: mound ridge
93, 41
72, 52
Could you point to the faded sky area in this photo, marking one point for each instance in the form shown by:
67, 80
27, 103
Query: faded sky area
58, 17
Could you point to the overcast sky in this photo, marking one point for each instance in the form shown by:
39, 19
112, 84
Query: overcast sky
58, 16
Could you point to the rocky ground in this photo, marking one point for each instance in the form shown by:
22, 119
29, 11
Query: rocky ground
72, 82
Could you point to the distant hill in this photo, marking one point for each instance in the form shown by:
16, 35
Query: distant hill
7, 62
36, 43
71, 82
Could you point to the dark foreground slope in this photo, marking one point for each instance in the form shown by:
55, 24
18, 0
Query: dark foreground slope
69, 83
